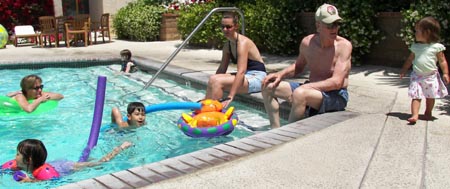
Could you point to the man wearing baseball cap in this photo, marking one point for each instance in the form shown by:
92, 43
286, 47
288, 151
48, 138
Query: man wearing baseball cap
328, 57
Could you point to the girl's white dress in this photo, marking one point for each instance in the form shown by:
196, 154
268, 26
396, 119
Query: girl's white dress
425, 79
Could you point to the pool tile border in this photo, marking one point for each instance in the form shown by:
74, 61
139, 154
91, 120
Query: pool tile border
219, 154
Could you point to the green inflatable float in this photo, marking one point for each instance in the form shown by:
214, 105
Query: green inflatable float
3, 36
10, 107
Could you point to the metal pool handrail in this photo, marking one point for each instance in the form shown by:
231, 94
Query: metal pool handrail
219, 9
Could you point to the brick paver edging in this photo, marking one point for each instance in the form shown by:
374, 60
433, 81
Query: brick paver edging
222, 153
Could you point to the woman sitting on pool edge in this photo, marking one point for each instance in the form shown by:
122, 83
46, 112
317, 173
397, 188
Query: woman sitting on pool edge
32, 90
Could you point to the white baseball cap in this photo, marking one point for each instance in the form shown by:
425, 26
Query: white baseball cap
327, 14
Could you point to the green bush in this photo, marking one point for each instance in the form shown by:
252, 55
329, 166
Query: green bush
210, 34
359, 26
273, 25
438, 9
138, 21
271, 30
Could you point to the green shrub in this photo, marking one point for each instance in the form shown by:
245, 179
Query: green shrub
438, 9
210, 34
359, 26
138, 21
273, 25
271, 30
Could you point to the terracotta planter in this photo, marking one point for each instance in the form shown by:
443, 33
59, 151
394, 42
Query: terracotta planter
169, 30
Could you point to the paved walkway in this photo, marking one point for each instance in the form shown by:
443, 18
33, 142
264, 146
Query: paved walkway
376, 149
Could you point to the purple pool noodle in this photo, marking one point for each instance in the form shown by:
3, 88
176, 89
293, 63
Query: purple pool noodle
17, 174
97, 120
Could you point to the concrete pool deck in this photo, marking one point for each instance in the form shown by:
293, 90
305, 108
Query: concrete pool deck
368, 146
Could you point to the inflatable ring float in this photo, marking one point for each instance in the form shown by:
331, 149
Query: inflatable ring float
210, 121
10, 107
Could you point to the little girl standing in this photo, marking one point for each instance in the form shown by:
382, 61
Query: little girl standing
425, 79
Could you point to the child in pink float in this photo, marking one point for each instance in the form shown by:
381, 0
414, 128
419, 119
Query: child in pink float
31, 157
425, 79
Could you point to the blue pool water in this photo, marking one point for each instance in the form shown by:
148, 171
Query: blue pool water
65, 130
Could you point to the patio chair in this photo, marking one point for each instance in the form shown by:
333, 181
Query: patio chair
60, 21
48, 29
79, 26
25, 31
103, 27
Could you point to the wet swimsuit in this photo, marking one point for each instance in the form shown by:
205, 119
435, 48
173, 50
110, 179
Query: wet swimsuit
251, 64
133, 68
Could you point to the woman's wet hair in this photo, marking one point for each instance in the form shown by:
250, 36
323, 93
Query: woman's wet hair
34, 150
135, 106
231, 15
431, 28
28, 82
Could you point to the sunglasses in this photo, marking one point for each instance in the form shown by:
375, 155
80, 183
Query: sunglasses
226, 26
38, 87
333, 25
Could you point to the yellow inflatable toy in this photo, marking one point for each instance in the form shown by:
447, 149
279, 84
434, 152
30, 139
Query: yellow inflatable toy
209, 121
3, 36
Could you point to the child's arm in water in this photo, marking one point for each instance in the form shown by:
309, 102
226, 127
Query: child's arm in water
116, 117
105, 158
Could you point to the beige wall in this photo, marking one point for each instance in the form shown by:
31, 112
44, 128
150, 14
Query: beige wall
57, 4
96, 7
112, 6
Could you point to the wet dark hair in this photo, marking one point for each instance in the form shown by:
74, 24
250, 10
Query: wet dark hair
125, 52
135, 106
431, 28
28, 82
232, 15
32, 149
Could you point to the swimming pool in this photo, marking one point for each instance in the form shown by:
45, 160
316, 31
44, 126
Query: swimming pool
65, 130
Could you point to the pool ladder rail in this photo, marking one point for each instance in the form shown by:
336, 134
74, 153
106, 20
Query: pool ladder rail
219, 9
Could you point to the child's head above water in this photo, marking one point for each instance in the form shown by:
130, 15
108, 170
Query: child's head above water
31, 154
136, 114
125, 54
428, 30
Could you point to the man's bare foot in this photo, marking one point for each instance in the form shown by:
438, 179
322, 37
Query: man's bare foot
428, 117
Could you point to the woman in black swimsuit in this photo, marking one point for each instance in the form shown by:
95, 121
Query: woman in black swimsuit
250, 66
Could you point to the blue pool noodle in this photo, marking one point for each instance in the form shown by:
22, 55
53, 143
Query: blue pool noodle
170, 106
97, 120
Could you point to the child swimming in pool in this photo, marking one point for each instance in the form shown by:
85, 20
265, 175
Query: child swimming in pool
128, 65
135, 114
32, 154
32, 89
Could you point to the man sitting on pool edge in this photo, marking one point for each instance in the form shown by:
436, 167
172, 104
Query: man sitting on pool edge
328, 57
135, 116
